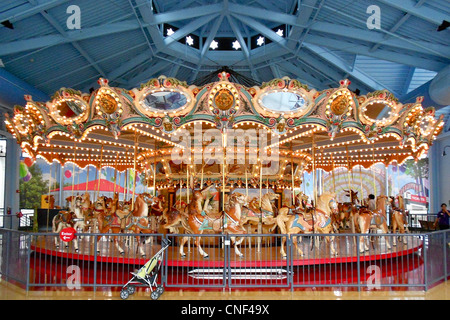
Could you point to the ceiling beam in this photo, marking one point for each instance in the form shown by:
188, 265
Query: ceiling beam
27, 10
47, 41
379, 38
388, 55
424, 12
188, 13
211, 34
339, 63
188, 28
56, 25
304, 14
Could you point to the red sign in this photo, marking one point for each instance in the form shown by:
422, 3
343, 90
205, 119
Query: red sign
418, 198
67, 234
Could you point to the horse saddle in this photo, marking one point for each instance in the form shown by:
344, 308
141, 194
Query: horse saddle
377, 219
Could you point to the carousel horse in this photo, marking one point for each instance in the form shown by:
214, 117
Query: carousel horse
63, 219
86, 205
399, 217
157, 211
320, 221
51, 201
138, 222
377, 219
77, 209
107, 220
175, 216
348, 211
228, 222
253, 214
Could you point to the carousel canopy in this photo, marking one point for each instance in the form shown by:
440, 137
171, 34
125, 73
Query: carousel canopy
283, 121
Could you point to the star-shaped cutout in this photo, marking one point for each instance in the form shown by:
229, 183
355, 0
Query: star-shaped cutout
189, 40
260, 41
214, 45
279, 32
170, 32
236, 45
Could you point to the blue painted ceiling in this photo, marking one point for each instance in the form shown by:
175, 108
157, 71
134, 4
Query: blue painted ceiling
318, 42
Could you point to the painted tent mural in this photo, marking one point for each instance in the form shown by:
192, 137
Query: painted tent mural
41, 178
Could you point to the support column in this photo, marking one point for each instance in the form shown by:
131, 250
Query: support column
12, 197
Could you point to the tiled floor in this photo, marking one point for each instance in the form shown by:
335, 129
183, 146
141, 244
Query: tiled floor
9, 291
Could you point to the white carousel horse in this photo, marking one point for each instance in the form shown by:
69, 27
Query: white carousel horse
64, 219
321, 222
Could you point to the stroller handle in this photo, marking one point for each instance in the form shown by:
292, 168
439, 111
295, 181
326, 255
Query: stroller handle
165, 243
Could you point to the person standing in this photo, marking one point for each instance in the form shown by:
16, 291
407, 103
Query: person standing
443, 218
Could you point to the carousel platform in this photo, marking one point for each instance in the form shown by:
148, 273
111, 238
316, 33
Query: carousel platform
268, 255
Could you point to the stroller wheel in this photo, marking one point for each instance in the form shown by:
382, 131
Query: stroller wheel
131, 290
154, 295
124, 294
160, 289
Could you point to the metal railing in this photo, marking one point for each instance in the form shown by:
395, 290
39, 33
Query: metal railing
415, 260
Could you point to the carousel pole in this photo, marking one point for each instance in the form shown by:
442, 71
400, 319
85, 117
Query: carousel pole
349, 172
246, 183
48, 197
134, 169
373, 172
260, 203
292, 176
99, 173
115, 171
360, 177
154, 173
73, 169
314, 169
87, 174
313, 146
187, 183
334, 178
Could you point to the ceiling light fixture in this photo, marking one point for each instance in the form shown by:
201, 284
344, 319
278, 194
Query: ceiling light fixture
236, 45
189, 40
260, 41
169, 32
214, 45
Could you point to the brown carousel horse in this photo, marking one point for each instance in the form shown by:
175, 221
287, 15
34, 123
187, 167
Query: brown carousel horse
138, 221
348, 211
228, 222
253, 214
377, 219
320, 221
399, 217
175, 216
107, 220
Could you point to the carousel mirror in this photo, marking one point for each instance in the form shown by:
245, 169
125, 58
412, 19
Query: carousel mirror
68, 110
165, 100
284, 101
378, 112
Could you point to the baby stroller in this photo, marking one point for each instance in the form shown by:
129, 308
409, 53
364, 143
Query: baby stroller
147, 275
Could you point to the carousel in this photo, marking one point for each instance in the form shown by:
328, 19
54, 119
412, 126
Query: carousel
227, 158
